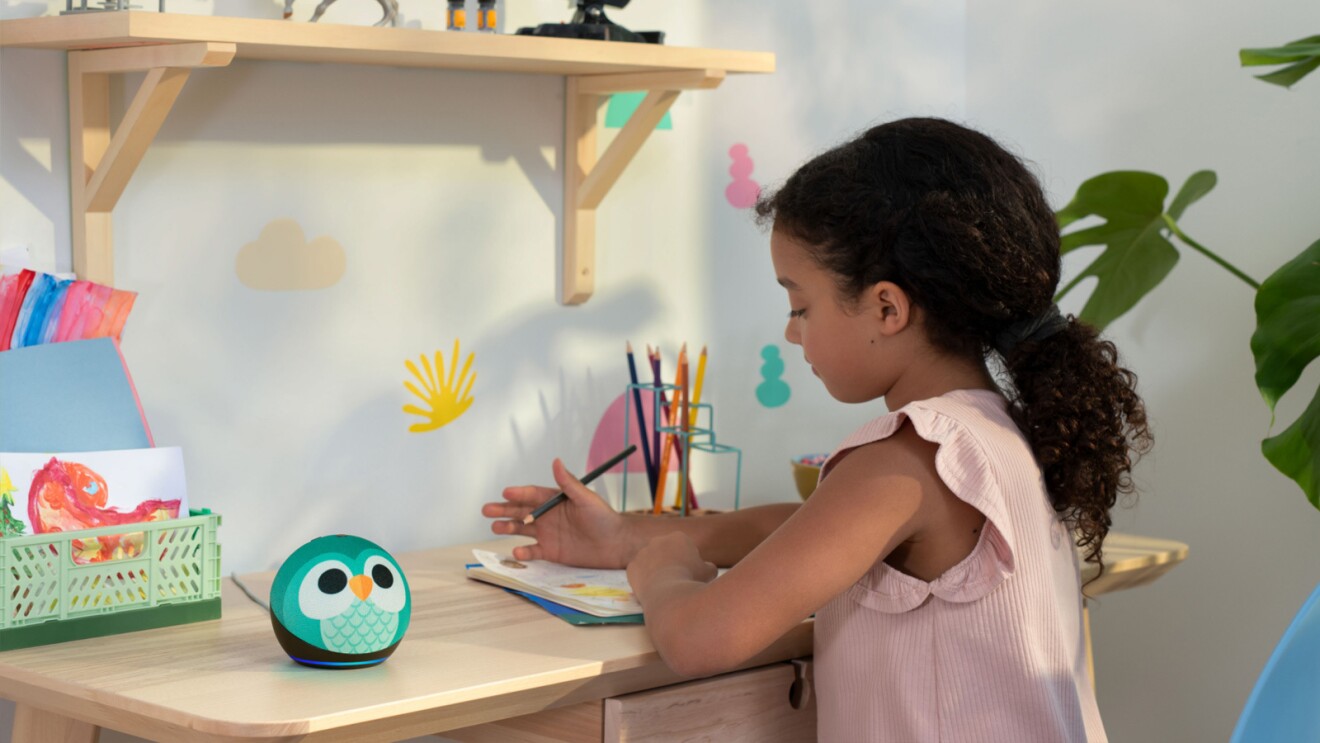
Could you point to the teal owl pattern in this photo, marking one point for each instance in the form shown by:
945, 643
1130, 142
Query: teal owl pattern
343, 599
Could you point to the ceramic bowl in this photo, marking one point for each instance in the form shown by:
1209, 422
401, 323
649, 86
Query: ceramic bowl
806, 471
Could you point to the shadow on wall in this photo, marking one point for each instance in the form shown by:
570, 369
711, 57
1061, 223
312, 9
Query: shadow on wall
402, 490
284, 104
34, 156
539, 336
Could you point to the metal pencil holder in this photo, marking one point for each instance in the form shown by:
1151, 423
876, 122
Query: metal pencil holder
696, 436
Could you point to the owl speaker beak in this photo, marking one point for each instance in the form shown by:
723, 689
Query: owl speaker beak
361, 586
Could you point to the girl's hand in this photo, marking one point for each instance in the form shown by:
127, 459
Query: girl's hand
665, 559
582, 531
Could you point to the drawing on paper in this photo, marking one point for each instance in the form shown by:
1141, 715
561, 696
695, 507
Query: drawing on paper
10, 525
64, 492
599, 589
446, 398
68, 496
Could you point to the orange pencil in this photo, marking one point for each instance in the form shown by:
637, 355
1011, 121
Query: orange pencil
693, 412
682, 494
669, 437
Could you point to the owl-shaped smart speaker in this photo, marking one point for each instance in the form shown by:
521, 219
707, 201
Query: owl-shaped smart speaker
340, 602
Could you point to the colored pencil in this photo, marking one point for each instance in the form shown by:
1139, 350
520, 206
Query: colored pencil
670, 441
682, 494
641, 421
655, 430
701, 375
592, 475
696, 411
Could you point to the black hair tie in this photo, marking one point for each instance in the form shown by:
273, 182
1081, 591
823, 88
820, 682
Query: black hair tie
1037, 328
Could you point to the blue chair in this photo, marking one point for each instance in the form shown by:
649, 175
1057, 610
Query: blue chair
1285, 704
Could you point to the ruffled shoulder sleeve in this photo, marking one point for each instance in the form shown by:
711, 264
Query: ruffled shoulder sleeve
964, 464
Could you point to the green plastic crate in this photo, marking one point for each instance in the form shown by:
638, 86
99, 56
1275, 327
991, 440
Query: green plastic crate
49, 597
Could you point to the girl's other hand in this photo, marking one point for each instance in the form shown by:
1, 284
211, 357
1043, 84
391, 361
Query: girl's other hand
582, 531
671, 556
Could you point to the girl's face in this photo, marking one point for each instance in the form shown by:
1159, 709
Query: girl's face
843, 345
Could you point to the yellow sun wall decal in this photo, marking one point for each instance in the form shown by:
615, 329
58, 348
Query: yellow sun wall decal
445, 398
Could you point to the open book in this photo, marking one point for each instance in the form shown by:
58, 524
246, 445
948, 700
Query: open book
601, 593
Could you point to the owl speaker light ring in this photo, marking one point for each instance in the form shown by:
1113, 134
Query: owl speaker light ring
340, 601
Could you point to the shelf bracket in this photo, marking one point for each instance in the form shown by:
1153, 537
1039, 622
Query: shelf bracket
101, 162
587, 178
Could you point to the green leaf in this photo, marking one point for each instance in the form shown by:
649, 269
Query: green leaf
1290, 52
1198, 184
1296, 451
1137, 255
1286, 340
1287, 336
1291, 74
1301, 56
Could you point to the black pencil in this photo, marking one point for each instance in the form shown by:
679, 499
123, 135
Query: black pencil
592, 475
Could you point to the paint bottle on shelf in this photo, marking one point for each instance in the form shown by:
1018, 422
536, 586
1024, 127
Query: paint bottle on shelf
456, 16
486, 16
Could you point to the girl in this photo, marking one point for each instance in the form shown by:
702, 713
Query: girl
937, 552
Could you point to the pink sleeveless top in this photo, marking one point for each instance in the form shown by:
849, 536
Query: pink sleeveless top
992, 650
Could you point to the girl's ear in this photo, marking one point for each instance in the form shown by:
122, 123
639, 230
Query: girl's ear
892, 306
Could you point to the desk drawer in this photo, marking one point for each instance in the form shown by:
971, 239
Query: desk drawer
754, 706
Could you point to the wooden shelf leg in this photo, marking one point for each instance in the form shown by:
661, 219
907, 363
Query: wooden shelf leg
579, 258
31, 723
586, 178
89, 137
101, 163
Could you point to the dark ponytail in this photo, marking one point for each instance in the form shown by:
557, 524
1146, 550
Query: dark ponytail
1086, 424
964, 228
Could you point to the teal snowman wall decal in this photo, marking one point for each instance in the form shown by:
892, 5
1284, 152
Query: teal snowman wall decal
340, 601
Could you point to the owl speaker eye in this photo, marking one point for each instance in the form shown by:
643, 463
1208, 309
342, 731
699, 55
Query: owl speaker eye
322, 593
332, 581
389, 593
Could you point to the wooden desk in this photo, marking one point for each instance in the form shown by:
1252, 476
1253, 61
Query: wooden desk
1132, 561
477, 664
473, 654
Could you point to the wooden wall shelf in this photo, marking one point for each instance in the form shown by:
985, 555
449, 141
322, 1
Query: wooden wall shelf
169, 46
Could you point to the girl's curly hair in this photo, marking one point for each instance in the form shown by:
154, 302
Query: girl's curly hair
964, 228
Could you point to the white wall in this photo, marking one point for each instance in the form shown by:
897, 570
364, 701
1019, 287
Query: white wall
1082, 88
442, 188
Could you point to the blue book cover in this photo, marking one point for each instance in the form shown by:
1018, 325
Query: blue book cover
69, 397
573, 616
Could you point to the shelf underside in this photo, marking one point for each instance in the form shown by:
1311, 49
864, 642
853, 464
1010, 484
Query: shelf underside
258, 38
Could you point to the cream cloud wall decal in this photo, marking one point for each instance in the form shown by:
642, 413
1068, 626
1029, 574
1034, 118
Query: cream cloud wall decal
281, 259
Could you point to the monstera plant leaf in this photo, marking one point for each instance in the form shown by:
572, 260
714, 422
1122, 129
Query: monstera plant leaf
1287, 338
1301, 57
1135, 233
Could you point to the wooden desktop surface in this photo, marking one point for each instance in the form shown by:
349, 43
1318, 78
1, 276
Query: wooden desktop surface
473, 654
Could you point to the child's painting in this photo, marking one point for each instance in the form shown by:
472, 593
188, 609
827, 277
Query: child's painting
43, 493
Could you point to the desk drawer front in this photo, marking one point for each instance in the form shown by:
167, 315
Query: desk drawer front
752, 706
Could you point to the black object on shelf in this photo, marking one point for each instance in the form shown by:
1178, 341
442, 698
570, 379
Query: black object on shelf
590, 22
